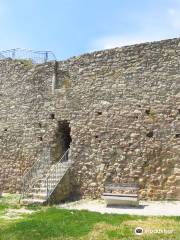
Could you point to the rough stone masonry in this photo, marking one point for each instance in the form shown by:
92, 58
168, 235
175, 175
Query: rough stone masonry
123, 110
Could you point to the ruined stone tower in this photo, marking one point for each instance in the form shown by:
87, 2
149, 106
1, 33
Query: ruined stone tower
118, 110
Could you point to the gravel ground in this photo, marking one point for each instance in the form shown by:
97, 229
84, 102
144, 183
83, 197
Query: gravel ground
146, 208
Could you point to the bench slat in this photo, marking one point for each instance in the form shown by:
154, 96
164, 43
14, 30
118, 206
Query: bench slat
121, 188
120, 195
118, 199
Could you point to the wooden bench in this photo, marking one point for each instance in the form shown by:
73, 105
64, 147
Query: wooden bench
121, 194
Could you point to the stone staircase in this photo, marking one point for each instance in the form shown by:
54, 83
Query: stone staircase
42, 179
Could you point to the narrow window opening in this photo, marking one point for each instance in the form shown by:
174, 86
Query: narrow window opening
150, 134
177, 135
96, 136
40, 125
147, 111
52, 116
40, 139
99, 113
179, 111
5, 129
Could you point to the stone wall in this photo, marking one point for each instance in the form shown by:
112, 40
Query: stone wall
24, 89
123, 106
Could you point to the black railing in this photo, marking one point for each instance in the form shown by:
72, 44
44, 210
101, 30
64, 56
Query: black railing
35, 57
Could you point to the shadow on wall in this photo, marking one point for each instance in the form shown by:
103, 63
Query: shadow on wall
62, 140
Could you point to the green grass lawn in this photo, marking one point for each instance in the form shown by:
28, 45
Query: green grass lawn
52, 223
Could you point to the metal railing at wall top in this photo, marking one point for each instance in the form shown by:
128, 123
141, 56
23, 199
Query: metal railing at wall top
36, 57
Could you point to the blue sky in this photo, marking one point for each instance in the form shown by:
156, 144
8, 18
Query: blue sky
73, 27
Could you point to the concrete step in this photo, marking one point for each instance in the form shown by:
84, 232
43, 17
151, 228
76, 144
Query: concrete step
41, 186
39, 189
37, 195
54, 182
47, 170
62, 169
42, 182
27, 201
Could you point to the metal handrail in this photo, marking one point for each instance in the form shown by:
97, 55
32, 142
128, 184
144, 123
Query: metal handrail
64, 157
31, 174
52, 177
28, 54
29, 170
53, 174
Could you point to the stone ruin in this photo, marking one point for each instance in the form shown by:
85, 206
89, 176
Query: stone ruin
118, 111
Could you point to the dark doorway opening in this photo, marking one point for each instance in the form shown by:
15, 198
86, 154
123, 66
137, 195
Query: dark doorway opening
65, 137
62, 139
